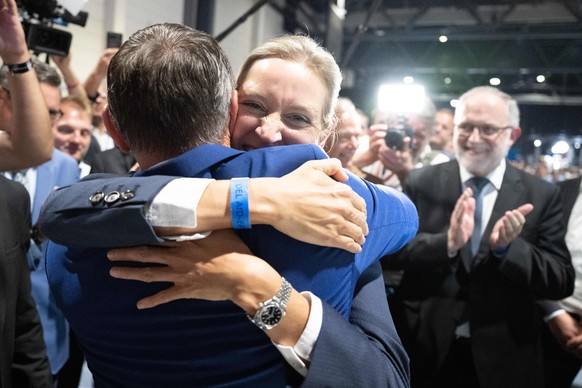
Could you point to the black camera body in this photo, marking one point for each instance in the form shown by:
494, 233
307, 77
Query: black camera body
395, 135
38, 16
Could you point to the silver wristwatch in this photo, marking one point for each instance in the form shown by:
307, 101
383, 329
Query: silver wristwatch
271, 311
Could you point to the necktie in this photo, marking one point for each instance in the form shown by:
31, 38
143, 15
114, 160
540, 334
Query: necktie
20, 177
477, 184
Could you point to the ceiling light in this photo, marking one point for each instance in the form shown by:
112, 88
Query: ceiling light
495, 81
443, 38
401, 98
408, 79
540, 78
560, 147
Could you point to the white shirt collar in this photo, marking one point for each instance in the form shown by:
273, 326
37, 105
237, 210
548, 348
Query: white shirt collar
495, 176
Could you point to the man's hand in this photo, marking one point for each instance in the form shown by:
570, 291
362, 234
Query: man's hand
568, 332
574, 344
310, 206
219, 267
462, 221
13, 48
376, 134
103, 62
508, 227
398, 161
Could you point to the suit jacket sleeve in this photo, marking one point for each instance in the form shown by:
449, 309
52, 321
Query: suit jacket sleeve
364, 352
69, 213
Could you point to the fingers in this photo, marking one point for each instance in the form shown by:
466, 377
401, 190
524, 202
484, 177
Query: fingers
510, 226
331, 167
406, 144
350, 232
574, 343
525, 209
143, 254
146, 275
347, 243
165, 296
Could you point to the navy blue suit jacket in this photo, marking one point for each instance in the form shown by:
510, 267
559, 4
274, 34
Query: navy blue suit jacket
68, 211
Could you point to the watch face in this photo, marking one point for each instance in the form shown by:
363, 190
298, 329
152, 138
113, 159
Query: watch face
271, 315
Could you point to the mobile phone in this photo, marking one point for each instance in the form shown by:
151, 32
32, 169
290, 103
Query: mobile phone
114, 39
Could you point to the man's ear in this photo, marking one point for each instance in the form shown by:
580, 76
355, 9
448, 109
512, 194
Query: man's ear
515, 134
113, 131
233, 111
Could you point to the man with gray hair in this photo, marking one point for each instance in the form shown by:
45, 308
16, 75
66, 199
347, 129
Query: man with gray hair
490, 243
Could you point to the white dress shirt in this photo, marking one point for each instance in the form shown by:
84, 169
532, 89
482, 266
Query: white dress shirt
574, 243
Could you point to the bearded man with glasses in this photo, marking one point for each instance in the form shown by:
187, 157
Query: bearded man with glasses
490, 244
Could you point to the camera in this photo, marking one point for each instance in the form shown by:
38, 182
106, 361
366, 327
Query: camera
38, 18
395, 135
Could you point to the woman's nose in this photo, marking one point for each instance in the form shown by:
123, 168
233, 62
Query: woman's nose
270, 129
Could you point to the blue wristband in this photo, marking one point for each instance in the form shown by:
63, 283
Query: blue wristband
239, 203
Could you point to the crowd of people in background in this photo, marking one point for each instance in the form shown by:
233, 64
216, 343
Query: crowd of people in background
462, 271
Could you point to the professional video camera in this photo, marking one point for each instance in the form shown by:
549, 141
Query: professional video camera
38, 18
395, 134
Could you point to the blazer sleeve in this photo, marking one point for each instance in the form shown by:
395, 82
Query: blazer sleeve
364, 352
69, 216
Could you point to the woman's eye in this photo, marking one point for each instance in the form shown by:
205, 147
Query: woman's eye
254, 106
299, 119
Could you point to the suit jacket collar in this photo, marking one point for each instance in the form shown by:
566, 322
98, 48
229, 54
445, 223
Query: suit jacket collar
510, 196
199, 162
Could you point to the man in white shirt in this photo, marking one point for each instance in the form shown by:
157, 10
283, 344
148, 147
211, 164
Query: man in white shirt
563, 342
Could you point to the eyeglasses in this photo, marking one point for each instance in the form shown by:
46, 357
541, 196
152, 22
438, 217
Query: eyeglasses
55, 114
485, 130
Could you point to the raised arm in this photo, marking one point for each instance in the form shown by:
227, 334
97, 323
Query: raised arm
31, 142
306, 204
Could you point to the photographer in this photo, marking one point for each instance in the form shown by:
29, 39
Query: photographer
407, 137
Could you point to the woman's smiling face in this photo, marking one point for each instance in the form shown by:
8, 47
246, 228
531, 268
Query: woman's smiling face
280, 102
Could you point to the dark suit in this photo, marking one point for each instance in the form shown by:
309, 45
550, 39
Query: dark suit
23, 360
113, 161
560, 366
497, 295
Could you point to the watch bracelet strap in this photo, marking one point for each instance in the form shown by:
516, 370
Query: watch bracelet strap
19, 68
284, 292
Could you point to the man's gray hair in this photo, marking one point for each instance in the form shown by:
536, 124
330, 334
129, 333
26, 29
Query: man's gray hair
169, 90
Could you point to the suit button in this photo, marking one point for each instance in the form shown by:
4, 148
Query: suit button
112, 197
128, 194
96, 198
